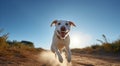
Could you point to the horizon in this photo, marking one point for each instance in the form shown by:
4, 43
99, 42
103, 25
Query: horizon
30, 20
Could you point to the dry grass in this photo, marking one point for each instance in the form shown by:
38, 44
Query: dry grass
104, 49
14, 53
19, 56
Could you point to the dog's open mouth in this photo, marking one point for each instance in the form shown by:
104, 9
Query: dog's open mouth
62, 33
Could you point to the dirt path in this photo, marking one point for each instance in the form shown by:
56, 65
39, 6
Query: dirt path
47, 58
80, 60
84, 60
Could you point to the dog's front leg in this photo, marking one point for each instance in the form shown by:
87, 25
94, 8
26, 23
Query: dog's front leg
58, 53
68, 54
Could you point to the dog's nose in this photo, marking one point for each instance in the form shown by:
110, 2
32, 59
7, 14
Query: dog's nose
63, 28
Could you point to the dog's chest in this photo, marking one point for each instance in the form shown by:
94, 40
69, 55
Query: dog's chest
61, 43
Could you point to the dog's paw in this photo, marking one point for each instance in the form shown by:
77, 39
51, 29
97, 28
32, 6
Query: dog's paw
61, 59
69, 59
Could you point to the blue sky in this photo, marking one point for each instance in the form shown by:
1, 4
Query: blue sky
30, 20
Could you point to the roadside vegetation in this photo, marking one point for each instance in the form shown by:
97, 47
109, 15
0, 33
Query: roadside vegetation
103, 48
16, 51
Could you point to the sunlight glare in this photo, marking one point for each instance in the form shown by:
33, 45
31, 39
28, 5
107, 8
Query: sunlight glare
79, 40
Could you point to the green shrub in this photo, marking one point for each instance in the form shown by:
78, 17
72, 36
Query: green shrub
95, 46
106, 46
116, 46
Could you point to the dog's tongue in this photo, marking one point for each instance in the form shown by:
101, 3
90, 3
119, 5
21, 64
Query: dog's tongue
63, 34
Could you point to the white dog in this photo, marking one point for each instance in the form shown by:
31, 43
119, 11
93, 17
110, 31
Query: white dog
61, 39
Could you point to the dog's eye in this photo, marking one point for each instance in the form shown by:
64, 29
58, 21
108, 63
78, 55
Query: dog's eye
66, 24
59, 23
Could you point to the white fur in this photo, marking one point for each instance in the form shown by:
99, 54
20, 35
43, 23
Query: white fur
59, 43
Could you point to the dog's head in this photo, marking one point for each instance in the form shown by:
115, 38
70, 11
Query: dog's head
62, 27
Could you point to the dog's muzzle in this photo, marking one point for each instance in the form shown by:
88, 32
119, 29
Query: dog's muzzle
62, 33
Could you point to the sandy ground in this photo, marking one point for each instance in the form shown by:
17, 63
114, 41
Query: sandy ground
47, 58
86, 60
79, 60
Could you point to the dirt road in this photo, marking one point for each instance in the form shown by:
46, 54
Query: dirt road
47, 58
87, 60
80, 60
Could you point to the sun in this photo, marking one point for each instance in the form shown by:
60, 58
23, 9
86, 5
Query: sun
79, 40
75, 40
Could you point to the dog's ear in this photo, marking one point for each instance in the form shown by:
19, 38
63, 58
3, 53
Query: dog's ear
72, 24
54, 22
